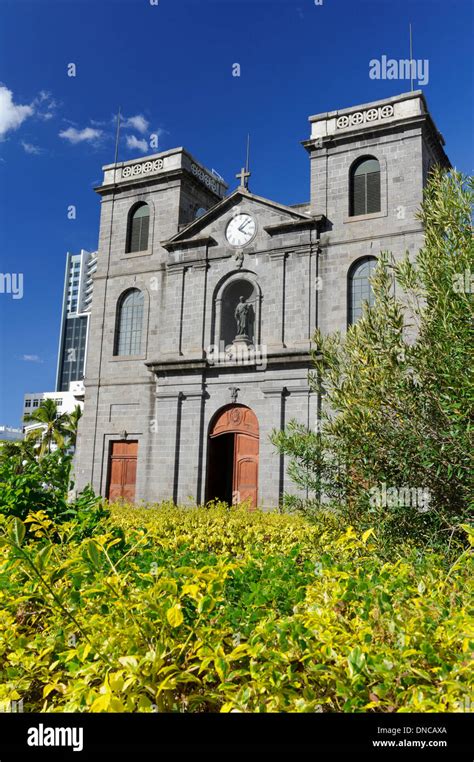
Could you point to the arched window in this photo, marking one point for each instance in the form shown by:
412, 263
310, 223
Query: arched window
364, 187
128, 334
138, 228
359, 288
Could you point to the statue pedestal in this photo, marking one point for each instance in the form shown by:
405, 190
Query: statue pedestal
241, 340
241, 351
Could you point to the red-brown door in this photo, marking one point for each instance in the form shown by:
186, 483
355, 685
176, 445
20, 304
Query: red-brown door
233, 456
246, 469
122, 471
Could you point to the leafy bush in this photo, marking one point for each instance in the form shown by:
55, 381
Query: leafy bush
167, 609
398, 389
31, 484
86, 511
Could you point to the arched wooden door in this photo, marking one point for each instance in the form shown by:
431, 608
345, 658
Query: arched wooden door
233, 456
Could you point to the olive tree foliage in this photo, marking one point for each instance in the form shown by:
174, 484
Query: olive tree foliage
394, 440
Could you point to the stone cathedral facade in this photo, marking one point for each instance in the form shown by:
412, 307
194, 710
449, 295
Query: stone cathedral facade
206, 300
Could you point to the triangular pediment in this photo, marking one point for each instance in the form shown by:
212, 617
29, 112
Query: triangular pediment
268, 212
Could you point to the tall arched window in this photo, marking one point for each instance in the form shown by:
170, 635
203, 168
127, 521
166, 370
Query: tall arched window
359, 288
138, 228
128, 334
364, 187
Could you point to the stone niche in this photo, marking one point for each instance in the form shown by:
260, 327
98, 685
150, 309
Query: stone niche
230, 300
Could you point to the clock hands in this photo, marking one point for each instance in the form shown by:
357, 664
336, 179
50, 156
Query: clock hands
240, 230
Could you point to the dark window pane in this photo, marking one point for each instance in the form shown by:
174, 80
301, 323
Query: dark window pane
373, 192
360, 289
366, 166
138, 229
359, 195
365, 188
128, 338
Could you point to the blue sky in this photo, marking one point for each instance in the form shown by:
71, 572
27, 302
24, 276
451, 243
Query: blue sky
169, 67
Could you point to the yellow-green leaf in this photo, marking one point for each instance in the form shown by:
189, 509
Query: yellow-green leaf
174, 616
367, 534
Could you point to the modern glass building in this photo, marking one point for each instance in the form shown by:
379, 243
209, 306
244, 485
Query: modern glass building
76, 306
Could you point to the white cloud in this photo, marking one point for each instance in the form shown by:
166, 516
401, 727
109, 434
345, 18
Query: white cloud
45, 106
133, 142
30, 148
32, 358
11, 114
74, 136
138, 123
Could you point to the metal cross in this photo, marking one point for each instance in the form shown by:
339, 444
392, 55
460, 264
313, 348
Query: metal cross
243, 176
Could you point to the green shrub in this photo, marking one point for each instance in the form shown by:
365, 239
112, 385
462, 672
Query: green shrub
86, 511
398, 402
30, 484
27, 485
169, 609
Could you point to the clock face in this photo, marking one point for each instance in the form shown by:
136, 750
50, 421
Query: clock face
241, 229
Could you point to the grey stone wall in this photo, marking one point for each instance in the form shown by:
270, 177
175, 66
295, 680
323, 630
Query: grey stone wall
167, 396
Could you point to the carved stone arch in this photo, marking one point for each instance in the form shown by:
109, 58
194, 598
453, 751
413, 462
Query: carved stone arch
229, 286
234, 419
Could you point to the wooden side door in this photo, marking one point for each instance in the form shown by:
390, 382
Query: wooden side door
246, 469
122, 471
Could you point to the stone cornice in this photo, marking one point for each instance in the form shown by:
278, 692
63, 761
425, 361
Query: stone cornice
360, 133
289, 225
190, 243
371, 104
287, 391
148, 180
186, 365
164, 166
326, 242
95, 383
182, 395
367, 132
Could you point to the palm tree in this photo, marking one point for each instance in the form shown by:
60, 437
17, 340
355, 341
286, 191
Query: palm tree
71, 424
50, 428
22, 453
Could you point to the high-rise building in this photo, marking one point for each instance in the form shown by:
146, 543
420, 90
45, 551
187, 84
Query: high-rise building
77, 298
